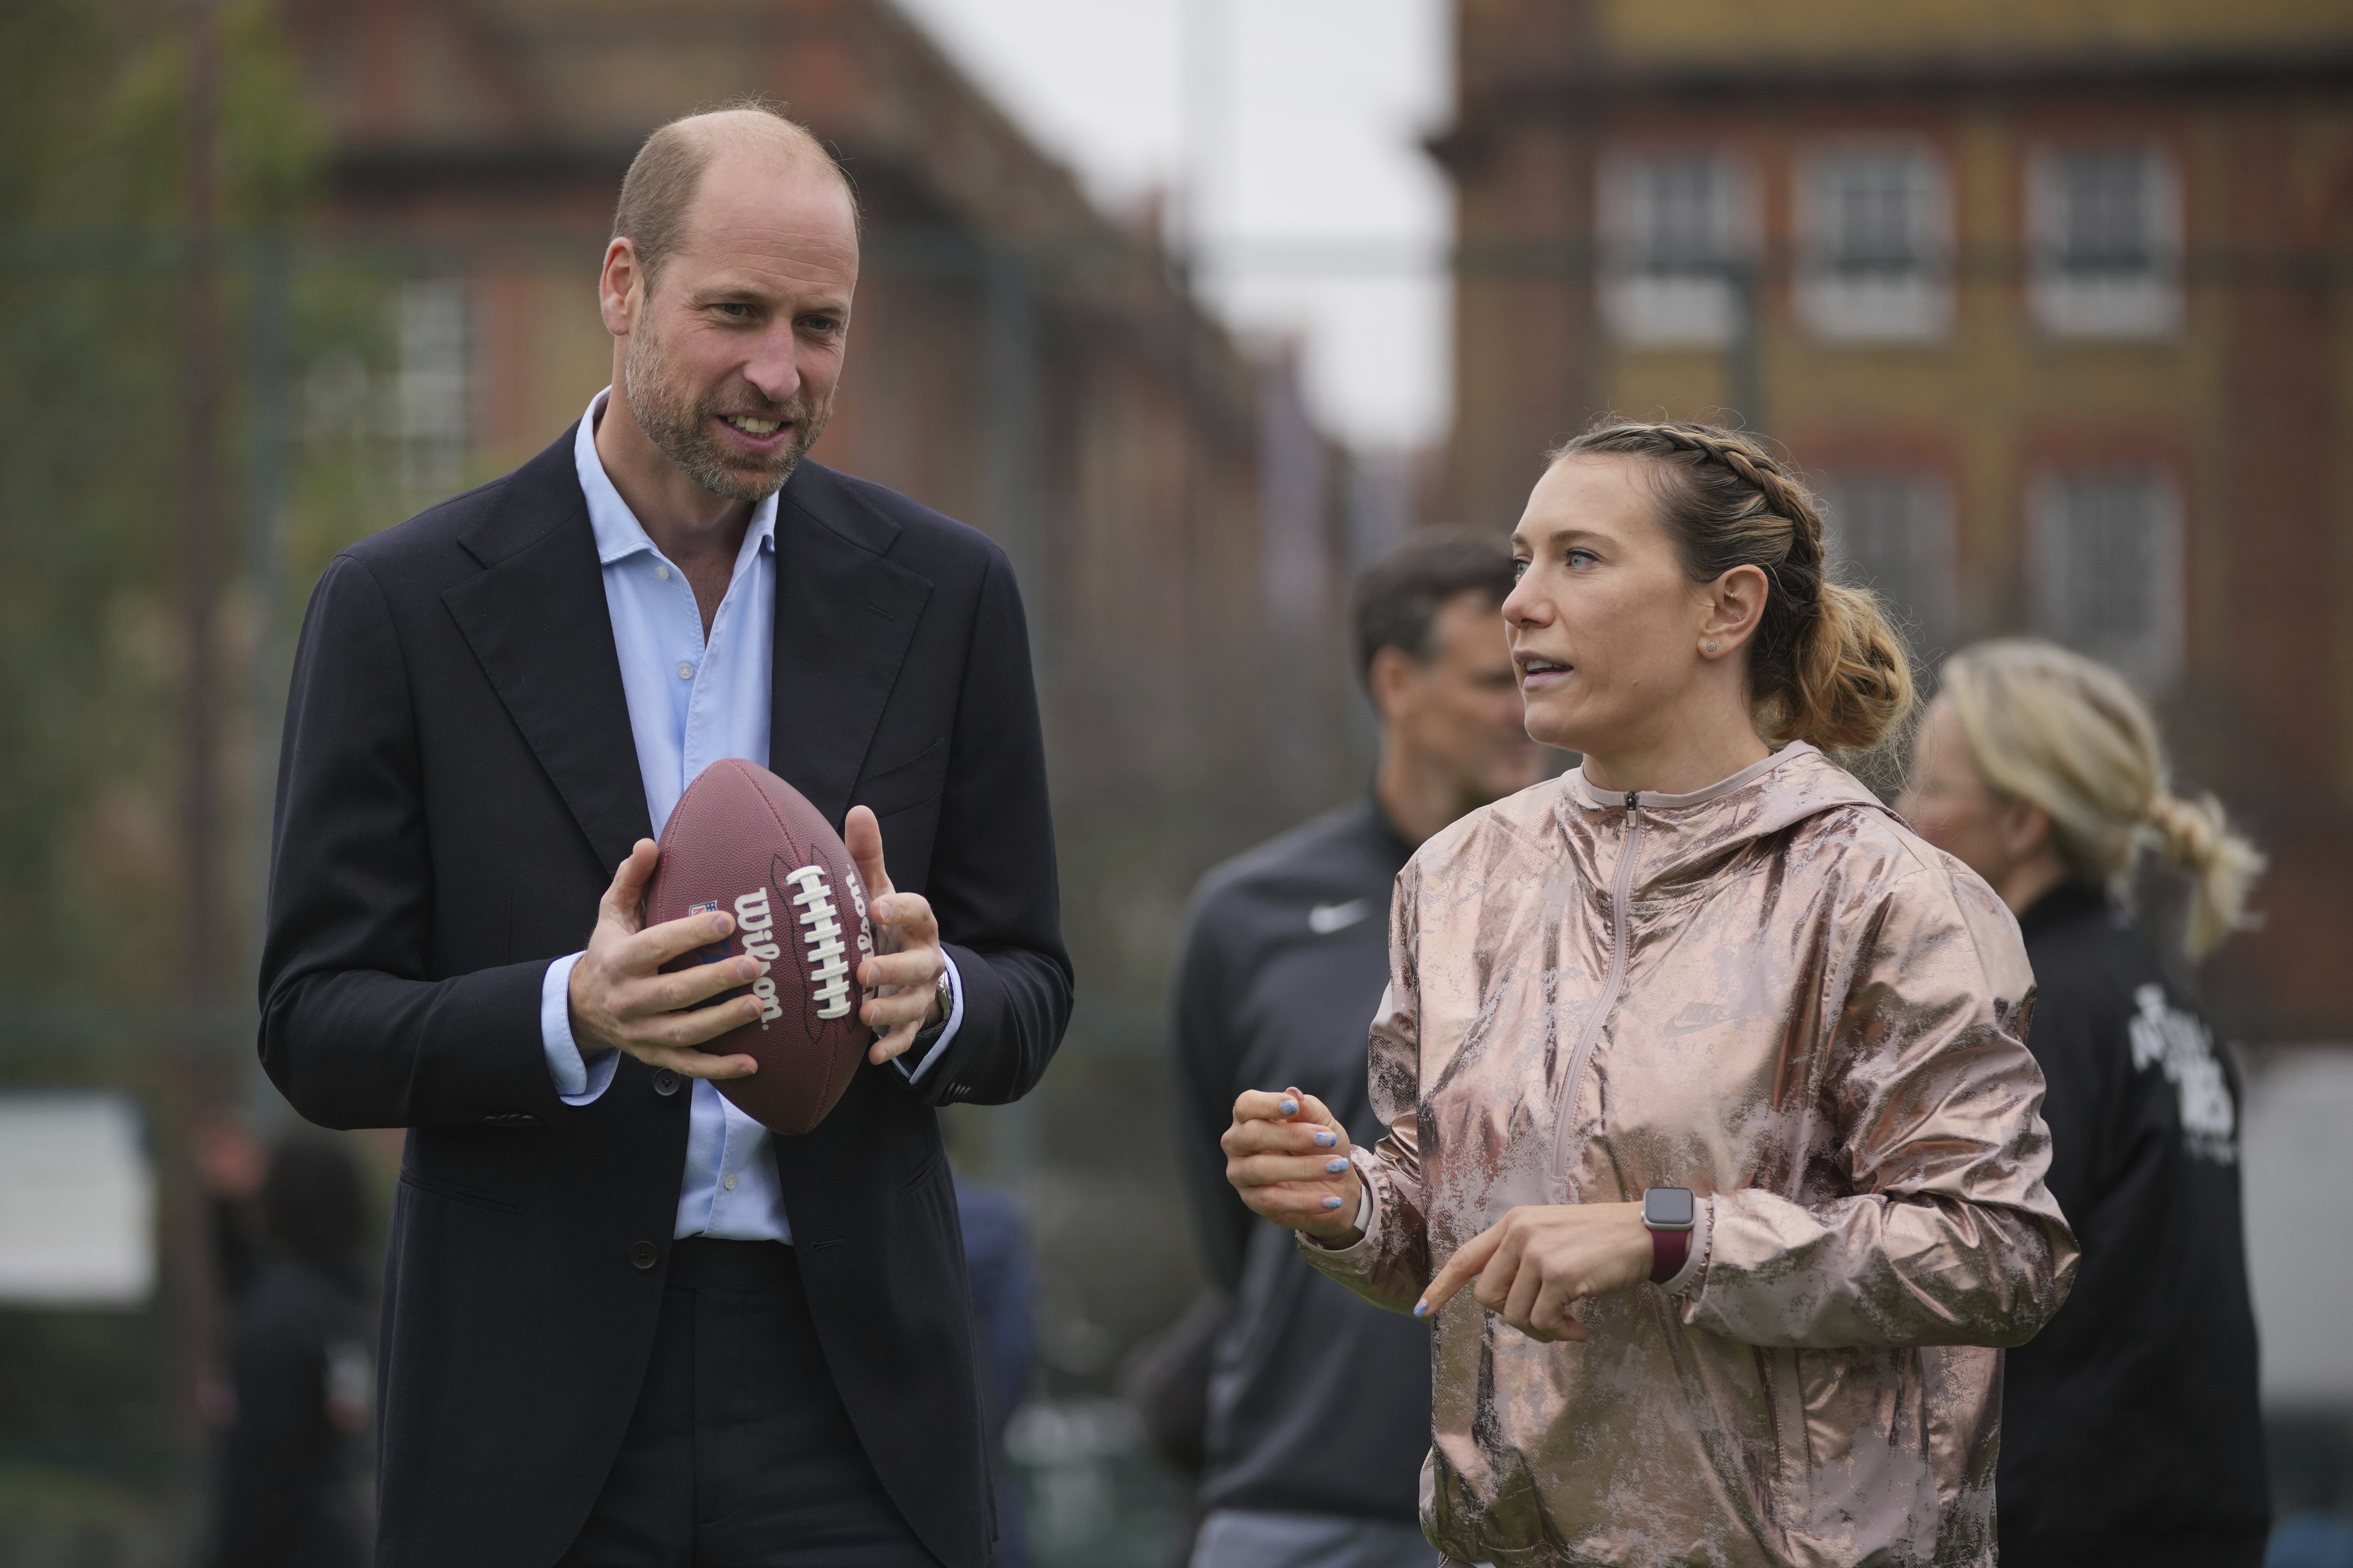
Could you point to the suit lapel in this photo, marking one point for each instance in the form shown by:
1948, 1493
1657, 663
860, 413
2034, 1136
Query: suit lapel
844, 617
536, 618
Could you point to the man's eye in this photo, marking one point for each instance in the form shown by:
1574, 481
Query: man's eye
821, 324
736, 311
1519, 569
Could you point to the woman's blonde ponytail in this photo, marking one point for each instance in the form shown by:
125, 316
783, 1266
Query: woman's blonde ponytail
2195, 836
2057, 729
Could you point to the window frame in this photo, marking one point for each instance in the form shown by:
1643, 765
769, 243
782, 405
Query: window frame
2158, 661
1914, 304
2144, 305
1648, 305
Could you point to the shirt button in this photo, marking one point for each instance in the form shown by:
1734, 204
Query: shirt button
729, 1183
661, 574
665, 1081
643, 1254
686, 672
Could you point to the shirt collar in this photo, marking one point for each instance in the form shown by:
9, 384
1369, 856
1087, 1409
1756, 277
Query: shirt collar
619, 534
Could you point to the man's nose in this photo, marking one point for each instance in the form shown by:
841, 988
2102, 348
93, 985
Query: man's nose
773, 369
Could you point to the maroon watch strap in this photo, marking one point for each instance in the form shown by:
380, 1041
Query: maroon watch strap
1669, 1249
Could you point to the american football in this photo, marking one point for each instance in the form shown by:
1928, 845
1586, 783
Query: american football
744, 841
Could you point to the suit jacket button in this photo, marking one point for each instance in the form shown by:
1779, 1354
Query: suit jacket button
643, 1254
665, 1081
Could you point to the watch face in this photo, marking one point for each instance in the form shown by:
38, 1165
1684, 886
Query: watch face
1668, 1208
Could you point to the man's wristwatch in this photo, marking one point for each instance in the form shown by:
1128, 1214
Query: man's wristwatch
1670, 1214
944, 998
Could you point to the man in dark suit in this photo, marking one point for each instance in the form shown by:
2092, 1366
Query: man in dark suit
623, 1323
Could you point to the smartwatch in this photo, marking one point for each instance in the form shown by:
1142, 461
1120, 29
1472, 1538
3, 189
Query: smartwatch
1669, 1213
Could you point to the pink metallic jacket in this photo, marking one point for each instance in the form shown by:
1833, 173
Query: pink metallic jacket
1772, 993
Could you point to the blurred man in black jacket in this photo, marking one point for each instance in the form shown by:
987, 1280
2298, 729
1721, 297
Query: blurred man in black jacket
289, 1491
1319, 1405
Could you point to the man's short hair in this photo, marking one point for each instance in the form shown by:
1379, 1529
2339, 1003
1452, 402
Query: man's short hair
659, 188
1399, 595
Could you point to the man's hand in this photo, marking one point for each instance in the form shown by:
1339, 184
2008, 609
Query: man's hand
1535, 1263
1288, 1157
620, 1000
902, 978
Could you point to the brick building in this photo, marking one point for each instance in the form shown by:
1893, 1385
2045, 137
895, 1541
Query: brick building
2051, 299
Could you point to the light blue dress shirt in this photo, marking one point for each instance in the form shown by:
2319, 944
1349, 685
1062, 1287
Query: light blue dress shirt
691, 702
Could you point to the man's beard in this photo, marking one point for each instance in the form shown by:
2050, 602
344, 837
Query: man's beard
680, 424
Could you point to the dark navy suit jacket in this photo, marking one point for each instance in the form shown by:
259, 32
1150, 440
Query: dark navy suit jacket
458, 783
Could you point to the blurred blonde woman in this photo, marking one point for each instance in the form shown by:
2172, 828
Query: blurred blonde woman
1697, 1069
2130, 1428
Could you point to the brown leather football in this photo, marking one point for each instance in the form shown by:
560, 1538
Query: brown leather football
744, 841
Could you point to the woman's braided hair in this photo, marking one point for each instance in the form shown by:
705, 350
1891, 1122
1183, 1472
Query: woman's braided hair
1825, 665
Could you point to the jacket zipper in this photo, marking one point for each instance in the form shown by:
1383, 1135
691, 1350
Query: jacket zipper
1620, 889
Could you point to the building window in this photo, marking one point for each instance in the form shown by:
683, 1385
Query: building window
1876, 229
1892, 531
2105, 225
431, 401
2105, 568
1678, 232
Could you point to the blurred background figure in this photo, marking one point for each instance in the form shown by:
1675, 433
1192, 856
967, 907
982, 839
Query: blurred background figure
2132, 1432
292, 1475
1318, 1404
1004, 1275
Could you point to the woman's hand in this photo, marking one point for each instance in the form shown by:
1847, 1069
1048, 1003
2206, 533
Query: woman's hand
1288, 1157
1539, 1262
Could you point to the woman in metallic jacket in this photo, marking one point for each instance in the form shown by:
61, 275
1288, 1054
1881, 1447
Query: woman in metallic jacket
1699, 963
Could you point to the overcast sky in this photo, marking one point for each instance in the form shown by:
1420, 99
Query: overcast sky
1297, 123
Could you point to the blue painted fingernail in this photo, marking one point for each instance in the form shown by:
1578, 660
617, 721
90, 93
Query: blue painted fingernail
1289, 1108
1325, 1140
1331, 1202
1422, 1309
1335, 1166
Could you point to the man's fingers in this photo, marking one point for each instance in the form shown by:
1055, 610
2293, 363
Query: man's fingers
909, 915
919, 970
624, 900
1459, 1270
682, 988
647, 950
894, 1044
688, 1062
862, 837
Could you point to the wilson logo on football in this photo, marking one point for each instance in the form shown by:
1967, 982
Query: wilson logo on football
757, 924
828, 957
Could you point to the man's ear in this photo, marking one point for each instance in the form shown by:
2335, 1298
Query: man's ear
1392, 680
619, 297
1736, 603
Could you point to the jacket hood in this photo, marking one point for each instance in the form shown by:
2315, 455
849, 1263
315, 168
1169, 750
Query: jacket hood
1688, 837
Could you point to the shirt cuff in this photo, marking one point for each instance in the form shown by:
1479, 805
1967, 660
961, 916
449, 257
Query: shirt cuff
577, 1083
955, 1021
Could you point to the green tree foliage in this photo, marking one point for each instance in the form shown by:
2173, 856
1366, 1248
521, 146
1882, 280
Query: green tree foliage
93, 116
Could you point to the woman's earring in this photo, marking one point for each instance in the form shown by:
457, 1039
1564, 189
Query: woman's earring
1711, 647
